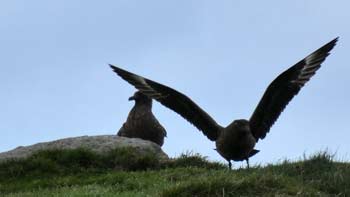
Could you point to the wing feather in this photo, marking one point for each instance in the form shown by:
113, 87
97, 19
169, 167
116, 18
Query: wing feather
281, 91
174, 100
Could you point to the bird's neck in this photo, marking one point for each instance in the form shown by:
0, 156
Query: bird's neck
144, 102
143, 105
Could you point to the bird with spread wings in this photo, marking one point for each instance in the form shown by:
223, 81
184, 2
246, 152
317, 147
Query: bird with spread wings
236, 141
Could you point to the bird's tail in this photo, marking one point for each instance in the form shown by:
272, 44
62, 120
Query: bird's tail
253, 152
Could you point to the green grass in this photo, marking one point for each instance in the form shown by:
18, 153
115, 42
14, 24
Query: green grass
122, 172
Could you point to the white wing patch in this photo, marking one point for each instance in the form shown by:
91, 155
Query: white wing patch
140, 83
312, 64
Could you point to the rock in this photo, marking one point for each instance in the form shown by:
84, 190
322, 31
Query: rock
99, 144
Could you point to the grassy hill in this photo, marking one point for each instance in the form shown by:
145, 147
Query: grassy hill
123, 173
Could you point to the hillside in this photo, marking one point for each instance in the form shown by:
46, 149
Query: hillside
122, 173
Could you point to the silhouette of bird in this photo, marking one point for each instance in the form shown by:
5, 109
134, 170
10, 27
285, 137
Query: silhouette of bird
141, 122
236, 141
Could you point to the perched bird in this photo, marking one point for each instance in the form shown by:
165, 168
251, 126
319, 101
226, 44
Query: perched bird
141, 122
236, 141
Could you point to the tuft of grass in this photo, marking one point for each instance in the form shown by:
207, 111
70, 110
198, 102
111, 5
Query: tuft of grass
190, 159
129, 159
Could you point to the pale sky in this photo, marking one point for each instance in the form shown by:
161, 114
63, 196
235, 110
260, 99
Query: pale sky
55, 81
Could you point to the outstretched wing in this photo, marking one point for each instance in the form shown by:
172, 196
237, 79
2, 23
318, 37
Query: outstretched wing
284, 88
174, 100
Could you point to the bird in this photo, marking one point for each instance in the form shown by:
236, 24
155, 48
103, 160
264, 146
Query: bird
236, 141
141, 123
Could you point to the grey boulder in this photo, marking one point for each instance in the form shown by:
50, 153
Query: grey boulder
98, 144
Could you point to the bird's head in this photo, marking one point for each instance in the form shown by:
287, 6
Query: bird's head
139, 97
241, 125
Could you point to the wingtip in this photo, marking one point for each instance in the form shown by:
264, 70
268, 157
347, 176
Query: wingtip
325, 49
112, 66
335, 40
116, 69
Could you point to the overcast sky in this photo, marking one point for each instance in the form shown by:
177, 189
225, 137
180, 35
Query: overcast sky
55, 81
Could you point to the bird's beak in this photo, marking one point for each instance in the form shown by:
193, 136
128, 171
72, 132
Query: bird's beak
131, 98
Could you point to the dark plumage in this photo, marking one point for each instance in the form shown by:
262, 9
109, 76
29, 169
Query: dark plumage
237, 140
141, 122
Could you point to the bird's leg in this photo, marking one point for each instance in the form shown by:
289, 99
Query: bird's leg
247, 162
229, 164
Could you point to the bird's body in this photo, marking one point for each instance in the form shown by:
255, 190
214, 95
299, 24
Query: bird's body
141, 123
236, 141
